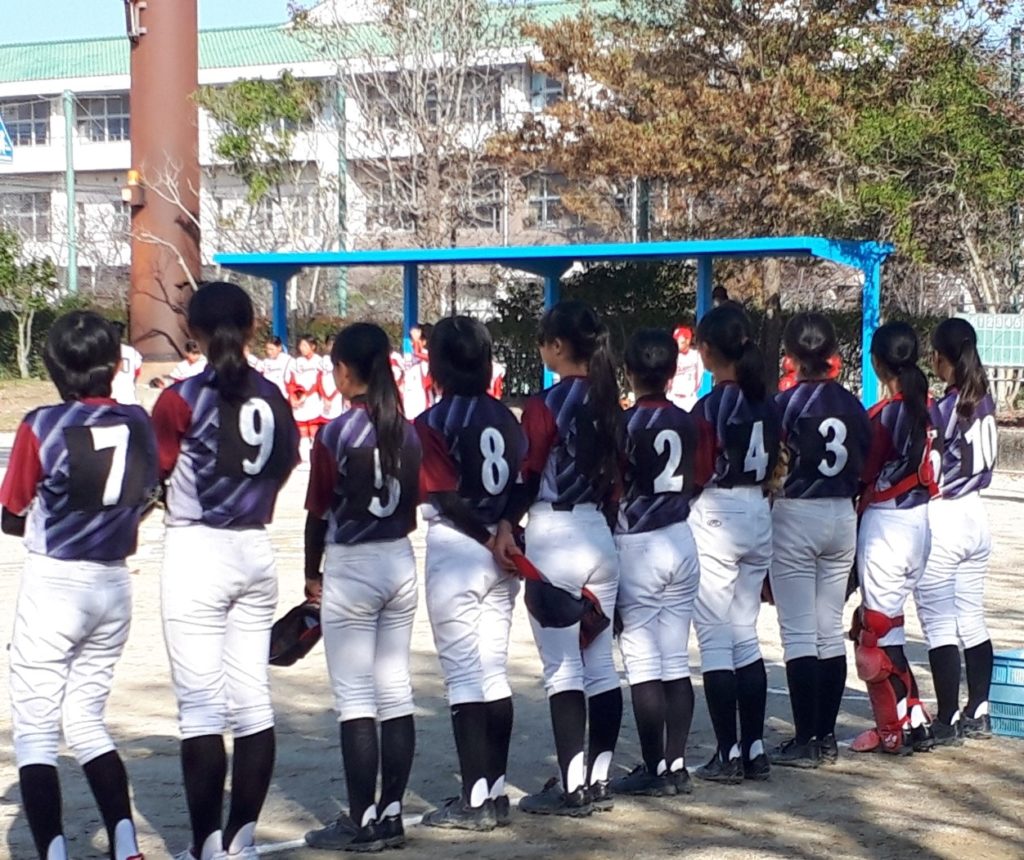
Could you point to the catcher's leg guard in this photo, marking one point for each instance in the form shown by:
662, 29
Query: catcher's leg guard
876, 668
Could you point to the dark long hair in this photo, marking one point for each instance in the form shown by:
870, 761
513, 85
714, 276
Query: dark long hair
82, 354
651, 357
576, 324
222, 312
366, 351
727, 330
956, 341
810, 339
460, 356
895, 349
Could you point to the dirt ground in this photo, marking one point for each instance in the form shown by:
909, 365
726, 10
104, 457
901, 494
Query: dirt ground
962, 804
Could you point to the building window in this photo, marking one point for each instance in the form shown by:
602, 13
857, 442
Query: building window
103, 118
544, 197
544, 90
28, 122
27, 214
486, 196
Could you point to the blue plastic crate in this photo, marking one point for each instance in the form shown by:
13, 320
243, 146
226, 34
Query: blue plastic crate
1006, 698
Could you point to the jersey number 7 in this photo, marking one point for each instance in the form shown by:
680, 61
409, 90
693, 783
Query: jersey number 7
107, 467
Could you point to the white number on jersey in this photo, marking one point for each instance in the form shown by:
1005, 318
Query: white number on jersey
982, 436
757, 457
394, 491
115, 436
256, 427
668, 481
494, 472
833, 431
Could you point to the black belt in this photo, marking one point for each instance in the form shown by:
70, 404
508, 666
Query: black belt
562, 506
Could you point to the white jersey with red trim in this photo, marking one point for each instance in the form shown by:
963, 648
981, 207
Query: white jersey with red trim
122, 389
186, 369
686, 383
278, 370
305, 386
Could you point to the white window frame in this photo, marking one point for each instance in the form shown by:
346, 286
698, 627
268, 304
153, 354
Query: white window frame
545, 201
545, 91
26, 119
27, 213
97, 122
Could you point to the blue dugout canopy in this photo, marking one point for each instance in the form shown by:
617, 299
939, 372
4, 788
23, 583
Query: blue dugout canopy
551, 262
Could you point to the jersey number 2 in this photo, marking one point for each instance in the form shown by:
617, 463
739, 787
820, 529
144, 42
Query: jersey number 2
667, 480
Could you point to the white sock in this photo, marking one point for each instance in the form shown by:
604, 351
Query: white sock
981, 711
917, 717
602, 764
576, 773
662, 767
678, 765
478, 794
57, 849
734, 752
756, 749
392, 809
214, 845
125, 843
498, 789
369, 815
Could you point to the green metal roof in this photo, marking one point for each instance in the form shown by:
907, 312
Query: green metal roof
225, 48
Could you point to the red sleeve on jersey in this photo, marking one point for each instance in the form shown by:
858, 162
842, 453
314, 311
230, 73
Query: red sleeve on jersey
541, 434
437, 471
880, 451
323, 471
24, 471
171, 419
704, 462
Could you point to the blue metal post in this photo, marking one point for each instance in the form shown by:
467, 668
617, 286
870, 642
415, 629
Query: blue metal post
870, 320
552, 293
705, 286
279, 310
410, 303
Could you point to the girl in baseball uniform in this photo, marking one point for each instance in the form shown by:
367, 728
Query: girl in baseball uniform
899, 478
227, 442
667, 458
826, 434
304, 394
363, 490
950, 594
570, 477
277, 365
473, 448
333, 402
79, 478
731, 522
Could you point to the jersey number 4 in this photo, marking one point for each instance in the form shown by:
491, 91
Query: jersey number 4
105, 468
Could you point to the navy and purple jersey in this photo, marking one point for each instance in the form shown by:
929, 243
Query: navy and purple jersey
83, 471
828, 435
900, 472
561, 444
969, 446
348, 488
667, 457
472, 446
226, 460
746, 436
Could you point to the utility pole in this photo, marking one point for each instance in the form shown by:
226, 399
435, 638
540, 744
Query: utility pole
1016, 91
342, 282
163, 184
69, 186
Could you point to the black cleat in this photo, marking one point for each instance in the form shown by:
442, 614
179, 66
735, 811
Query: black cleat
457, 814
757, 769
551, 800
681, 780
729, 772
793, 754
828, 749
922, 738
640, 782
392, 831
503, 811
947, 736
344, 835
600, 795
977, 728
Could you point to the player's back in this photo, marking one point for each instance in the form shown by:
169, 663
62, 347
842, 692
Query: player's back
746, 436
899, 471
970, 445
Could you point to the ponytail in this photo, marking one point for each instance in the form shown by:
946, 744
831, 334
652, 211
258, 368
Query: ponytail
728, 331
956, 341
222, 312
579, 326
895, 349
366, 351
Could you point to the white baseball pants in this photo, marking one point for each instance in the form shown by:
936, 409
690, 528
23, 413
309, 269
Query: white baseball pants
658, 579
366, 611
814, 542
218, 596
574, 549
950, 595
469, 603
733, 531
892, 546
70, 626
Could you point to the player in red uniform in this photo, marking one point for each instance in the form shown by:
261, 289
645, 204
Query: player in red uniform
227, 442
570, 477
79, 478
472, 454
304, 394
363, 490
667, 459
